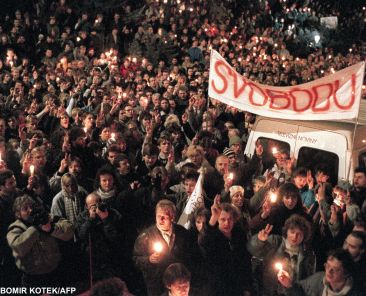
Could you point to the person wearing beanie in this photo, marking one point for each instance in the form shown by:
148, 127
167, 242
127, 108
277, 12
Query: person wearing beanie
230, 154
242, 204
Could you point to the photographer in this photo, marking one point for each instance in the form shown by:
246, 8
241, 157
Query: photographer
101, 232
33, 240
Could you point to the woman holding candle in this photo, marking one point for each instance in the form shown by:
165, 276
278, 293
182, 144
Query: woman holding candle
287, 252
288, 203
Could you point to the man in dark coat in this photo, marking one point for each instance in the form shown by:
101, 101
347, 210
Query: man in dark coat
101, 230
159, 246
224, 245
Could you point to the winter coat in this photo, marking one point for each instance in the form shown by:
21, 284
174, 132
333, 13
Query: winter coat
37, 252
314, 286
272, 251
228, 261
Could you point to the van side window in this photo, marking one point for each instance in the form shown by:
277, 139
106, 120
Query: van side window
271, 146
273, 150
311, 158
362, 159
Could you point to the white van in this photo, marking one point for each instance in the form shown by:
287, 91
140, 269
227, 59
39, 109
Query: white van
312, 142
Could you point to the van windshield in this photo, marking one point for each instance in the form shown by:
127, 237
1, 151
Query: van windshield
312, 158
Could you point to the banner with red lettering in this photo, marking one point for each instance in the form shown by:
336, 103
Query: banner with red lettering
334, 97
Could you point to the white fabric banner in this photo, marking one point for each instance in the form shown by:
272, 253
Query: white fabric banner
195, 202
334, 97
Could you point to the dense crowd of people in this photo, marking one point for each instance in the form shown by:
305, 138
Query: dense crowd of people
106, 131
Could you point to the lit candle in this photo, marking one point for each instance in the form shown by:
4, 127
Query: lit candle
278, 266
274, 150
231, 176
273, 197
134, 60
124, 95
85, 129
113, 136
0, 157
158, 247
31, 169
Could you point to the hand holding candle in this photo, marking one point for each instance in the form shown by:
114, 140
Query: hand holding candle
283, 276
158, 253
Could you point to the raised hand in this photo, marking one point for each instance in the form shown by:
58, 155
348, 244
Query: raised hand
66, 143
264, 233
333, 214
63, 163
215, 210
310, 179
266, 208
184, 118
171, 157
21, 132
33, 142
321, 192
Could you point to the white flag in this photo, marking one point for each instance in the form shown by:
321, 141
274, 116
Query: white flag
195, 202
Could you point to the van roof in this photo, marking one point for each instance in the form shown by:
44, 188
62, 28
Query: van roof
344, 128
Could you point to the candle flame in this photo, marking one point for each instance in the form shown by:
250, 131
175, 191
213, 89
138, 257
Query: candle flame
273, 197
31, 169
278, 266
158, 247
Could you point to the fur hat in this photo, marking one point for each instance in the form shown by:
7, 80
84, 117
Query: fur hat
235, 189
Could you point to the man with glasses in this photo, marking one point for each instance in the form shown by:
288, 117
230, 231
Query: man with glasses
336, 280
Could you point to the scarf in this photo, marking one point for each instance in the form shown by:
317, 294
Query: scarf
327, 291
72, 205
292, 253
105, 195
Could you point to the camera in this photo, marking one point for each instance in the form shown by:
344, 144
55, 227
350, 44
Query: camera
156, 180
39, 216
102, 206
